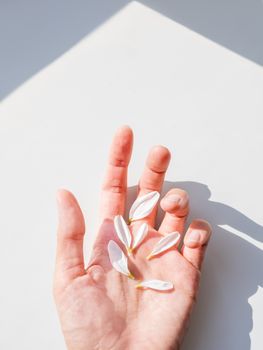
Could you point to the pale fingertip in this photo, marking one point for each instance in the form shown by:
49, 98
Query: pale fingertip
176, 200
198, 234
125, 132
125, 127
60, 194
61, 198
65, 198
163, 155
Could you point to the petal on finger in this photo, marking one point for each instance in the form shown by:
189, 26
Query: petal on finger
143, 206
164, 244
153, 175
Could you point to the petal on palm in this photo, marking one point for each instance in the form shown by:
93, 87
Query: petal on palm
156, 285
118, 259
122, 231
165, 243
140, 235
143, 206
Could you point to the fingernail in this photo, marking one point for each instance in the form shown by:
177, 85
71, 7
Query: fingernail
173, 198
194, 236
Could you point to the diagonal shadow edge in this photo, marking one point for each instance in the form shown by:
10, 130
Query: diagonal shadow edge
35, 35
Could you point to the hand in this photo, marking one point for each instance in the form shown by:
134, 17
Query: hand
98, 307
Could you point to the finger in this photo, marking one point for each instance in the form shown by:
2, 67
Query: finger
153, 175
71, 229
195, 242
115, 184
176, 206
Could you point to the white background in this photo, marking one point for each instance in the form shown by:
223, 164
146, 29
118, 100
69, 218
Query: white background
173, 87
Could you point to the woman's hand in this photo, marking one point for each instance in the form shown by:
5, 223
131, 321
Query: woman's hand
98, 307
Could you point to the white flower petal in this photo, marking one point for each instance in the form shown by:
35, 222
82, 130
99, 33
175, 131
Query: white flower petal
165, 243
156, 284
123, 231
143, 206
140, 235
118, 259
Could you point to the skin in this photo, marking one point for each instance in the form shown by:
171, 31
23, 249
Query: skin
98, 307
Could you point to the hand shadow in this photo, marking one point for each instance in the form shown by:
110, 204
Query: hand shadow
222, 318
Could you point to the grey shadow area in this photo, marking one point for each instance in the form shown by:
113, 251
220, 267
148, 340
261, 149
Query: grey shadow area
232, 273
234, 24
33, 33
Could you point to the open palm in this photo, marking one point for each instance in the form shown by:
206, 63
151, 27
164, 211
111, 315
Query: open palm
99, 308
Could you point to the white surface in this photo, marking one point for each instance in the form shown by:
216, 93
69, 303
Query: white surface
173, 87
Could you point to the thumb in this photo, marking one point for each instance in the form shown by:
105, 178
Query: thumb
71, 229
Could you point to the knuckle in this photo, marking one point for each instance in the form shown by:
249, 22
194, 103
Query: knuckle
119, 163
115, 186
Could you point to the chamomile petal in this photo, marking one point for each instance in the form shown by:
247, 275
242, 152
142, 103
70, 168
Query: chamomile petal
123, 231
140, 235
118, 259
143, 206
156, 285
165, 243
